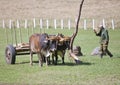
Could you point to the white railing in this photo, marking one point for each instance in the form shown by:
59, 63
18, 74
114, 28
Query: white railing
61, 23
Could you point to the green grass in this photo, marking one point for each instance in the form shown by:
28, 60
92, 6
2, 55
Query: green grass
93, 70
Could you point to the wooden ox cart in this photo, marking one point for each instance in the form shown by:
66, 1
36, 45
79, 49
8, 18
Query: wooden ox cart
19, 48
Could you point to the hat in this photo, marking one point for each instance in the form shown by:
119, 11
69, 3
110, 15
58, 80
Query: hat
100, 26
97, 30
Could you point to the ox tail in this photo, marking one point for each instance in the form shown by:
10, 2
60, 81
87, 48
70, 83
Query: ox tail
74, 57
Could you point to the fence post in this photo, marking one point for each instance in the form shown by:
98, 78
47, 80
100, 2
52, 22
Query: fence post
3, 24
10, 27
18, 24
41, 24
55, 23
69, 24
34, 23
26, 23
113, 26
75, 21
10, 24
47, 23
62, 24
93, 21
6, 34
104, 23
85, 27
27, 27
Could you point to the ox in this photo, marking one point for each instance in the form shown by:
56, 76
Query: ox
41, 44
62, 45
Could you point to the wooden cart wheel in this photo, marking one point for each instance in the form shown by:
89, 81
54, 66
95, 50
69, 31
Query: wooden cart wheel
10, 54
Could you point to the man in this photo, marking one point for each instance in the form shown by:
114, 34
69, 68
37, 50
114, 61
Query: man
104, 40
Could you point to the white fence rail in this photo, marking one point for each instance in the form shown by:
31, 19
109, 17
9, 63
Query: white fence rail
54, 23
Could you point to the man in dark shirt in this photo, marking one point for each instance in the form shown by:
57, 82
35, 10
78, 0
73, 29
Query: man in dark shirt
104, 40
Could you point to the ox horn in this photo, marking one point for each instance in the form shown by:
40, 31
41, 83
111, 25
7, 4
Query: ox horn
67, 38
61, 39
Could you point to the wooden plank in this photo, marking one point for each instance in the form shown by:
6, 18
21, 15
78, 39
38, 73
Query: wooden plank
22, 47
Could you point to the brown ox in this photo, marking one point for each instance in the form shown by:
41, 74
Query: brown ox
41, 44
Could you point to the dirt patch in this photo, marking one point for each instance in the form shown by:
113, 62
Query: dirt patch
59, 9
18, 9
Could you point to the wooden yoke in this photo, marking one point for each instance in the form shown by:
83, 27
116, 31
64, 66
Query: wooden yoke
75, 34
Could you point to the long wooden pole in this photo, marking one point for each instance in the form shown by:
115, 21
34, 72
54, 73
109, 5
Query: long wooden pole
74, 35
76, 30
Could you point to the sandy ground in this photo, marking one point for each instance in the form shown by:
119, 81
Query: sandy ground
59, 9
18, 9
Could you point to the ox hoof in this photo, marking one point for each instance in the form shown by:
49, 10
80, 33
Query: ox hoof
77, 61
31, 64
40, 65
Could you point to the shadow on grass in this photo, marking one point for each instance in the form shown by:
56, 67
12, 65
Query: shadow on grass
27, 62
117, 56
74, 64
60, 64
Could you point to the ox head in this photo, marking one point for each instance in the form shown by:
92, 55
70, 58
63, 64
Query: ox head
64, 40
52, 43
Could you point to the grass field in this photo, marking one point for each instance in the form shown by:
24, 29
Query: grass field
92, 71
